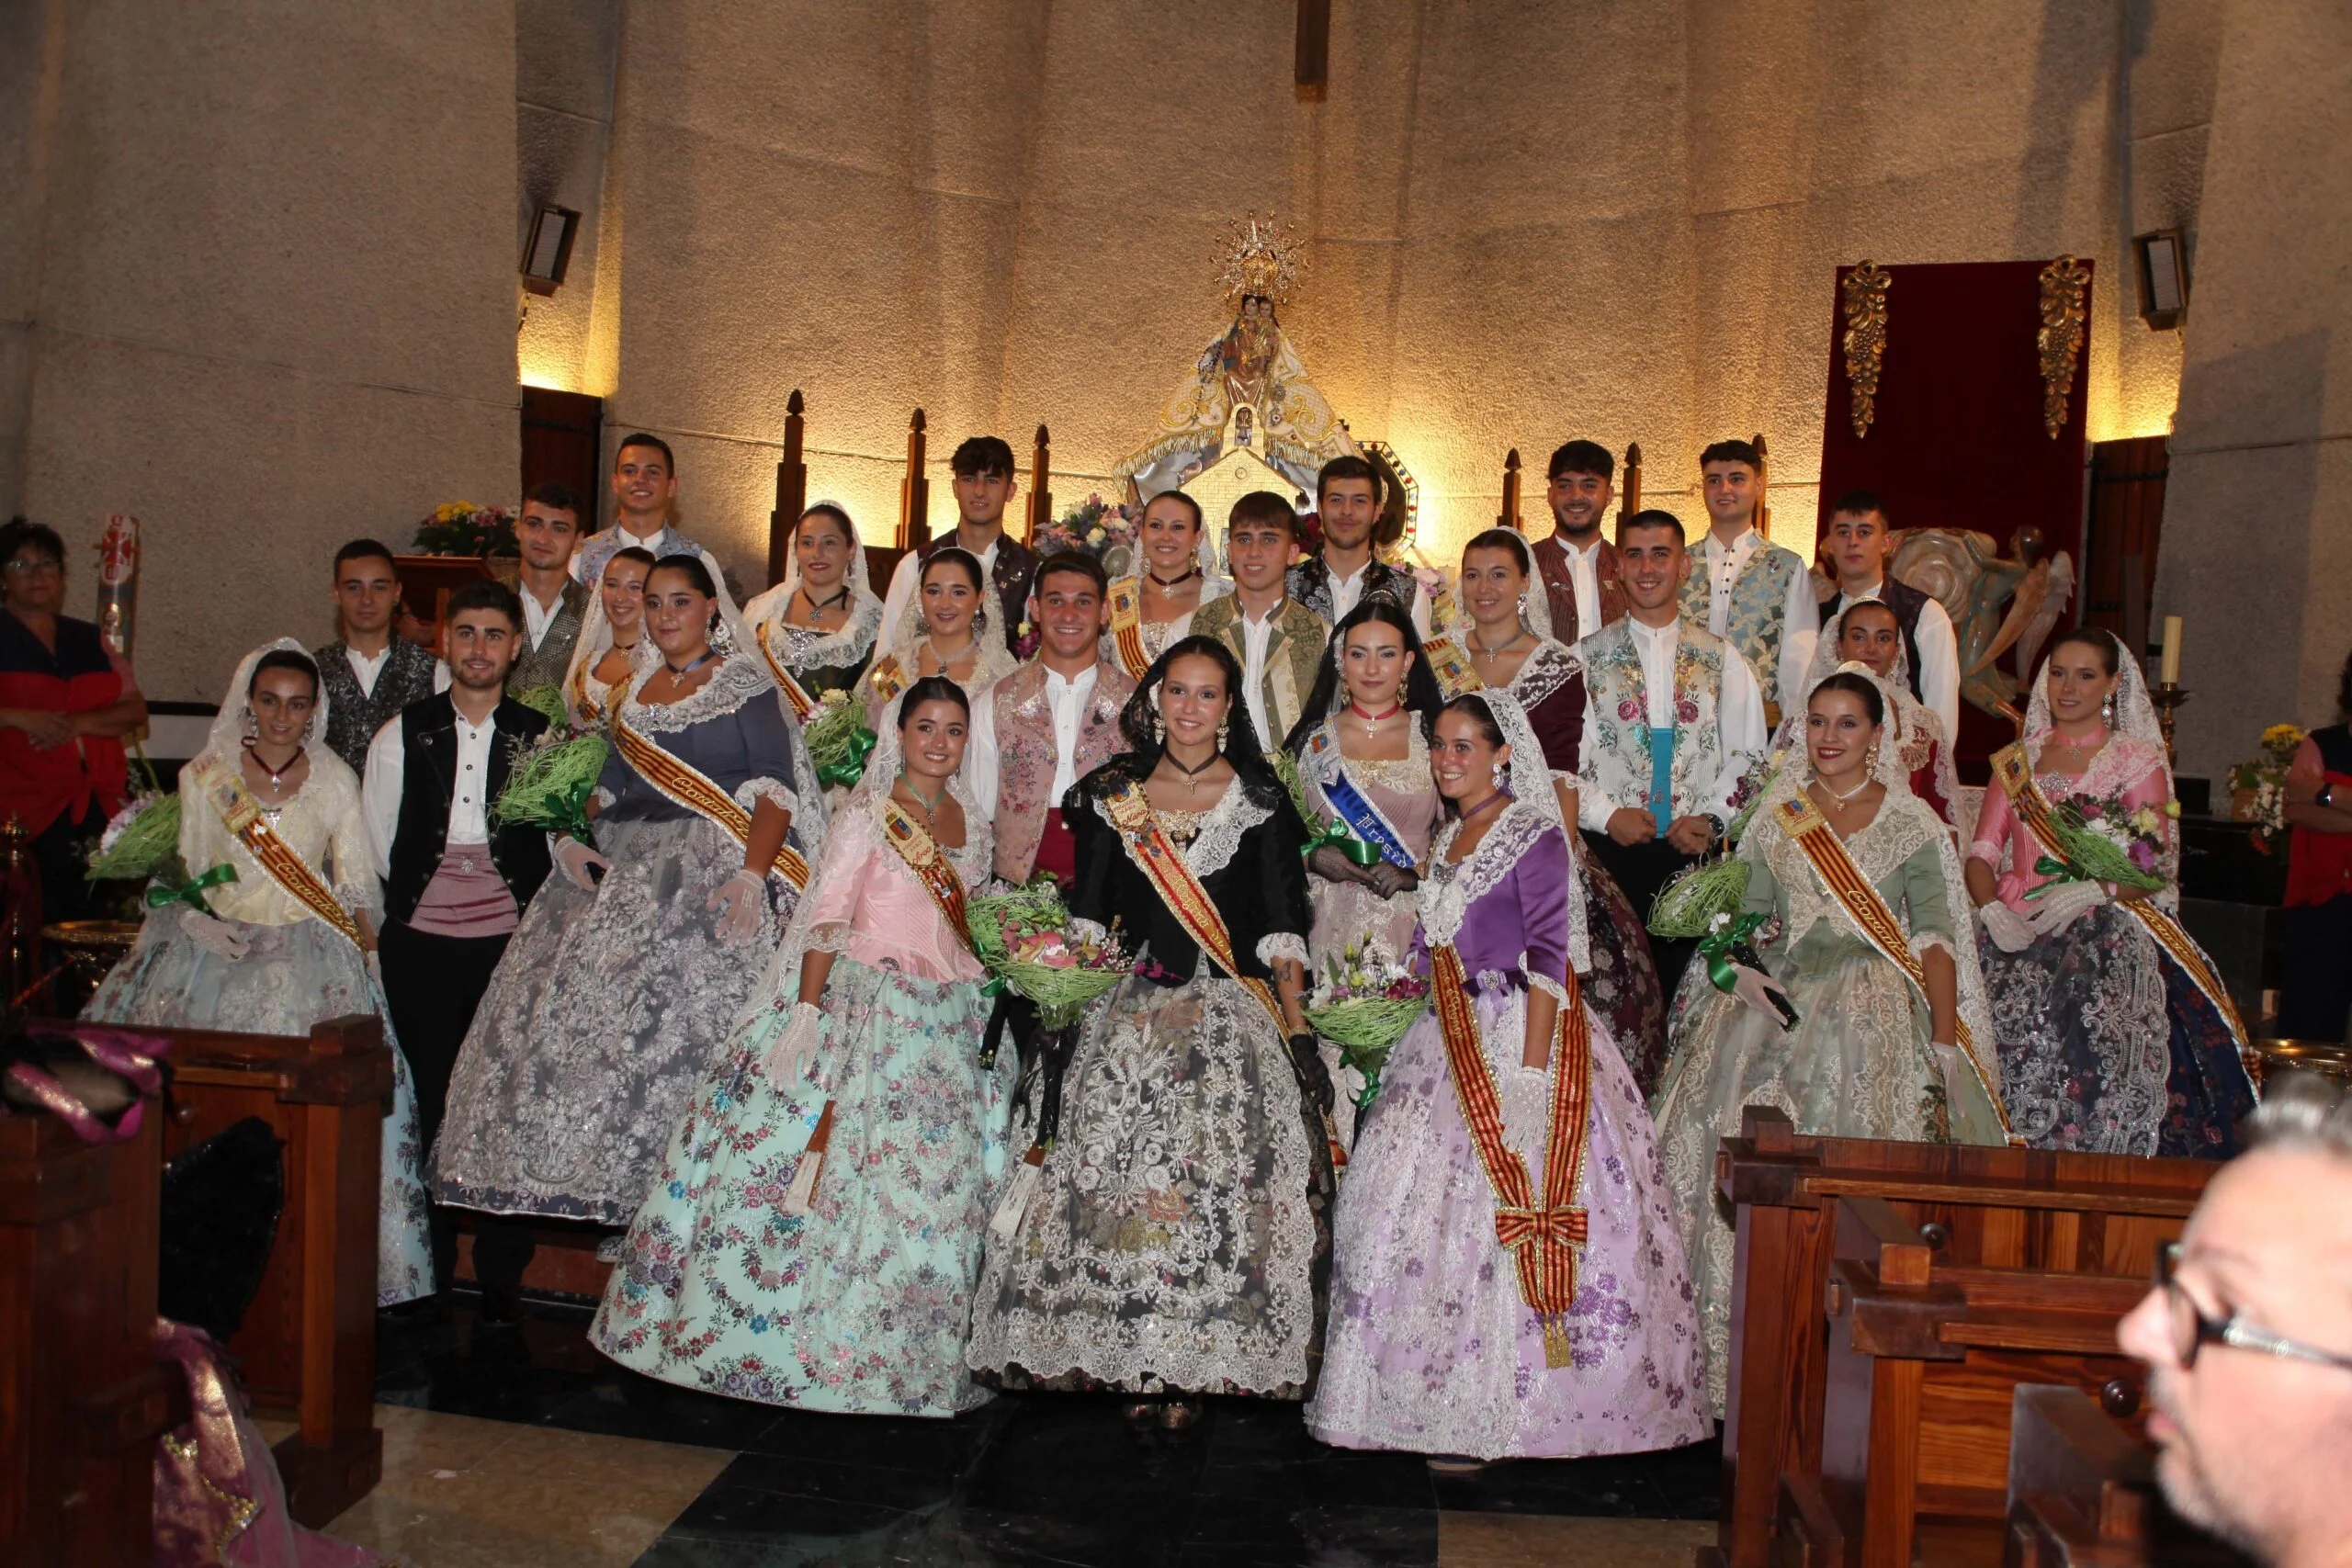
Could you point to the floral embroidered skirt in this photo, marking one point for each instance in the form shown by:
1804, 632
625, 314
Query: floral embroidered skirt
290, 977
1623, 986
1179, 1238
1432, 1347
864, 1303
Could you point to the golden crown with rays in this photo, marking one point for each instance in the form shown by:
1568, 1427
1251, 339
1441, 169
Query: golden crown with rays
1260, 257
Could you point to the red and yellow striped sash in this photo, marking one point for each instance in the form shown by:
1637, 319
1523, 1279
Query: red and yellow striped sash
2014, 772
241, 815
1164, 867
686, 788
922, 856
1810, 831
803, 704
1127, 626
1542, 1232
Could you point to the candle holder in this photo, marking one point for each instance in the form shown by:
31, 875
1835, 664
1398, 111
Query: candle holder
2167, 695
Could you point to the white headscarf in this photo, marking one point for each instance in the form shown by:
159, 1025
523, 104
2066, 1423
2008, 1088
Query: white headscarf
992, 663
595, 641
226, 740
2134, 719
1529, 781
854, 640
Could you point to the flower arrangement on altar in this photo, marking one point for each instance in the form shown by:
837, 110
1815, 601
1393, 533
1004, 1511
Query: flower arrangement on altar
1103, 529
462, 528
1364, 1001
2259, 785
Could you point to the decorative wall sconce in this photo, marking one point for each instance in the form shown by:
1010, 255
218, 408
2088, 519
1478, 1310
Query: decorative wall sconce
2164, 278
549, 254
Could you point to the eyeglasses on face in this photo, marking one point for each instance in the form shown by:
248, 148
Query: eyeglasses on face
2191, 1330
35, 565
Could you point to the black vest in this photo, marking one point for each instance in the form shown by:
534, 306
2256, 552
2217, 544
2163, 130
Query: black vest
1016, 565
1906, 602
428, 785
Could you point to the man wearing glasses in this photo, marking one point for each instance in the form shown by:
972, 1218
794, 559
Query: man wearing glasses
2247, 1335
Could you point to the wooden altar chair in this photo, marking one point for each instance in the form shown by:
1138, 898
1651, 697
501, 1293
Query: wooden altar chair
83, 1397
308, 1347
1992, 1266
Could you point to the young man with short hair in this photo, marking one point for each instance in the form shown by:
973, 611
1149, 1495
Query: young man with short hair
1673, 721
454, 887
1583, 579
1341, 571
368, 672
1048, 724
554, 602
645, 487
1859, 544
984, 487
1278, 640
1744, 588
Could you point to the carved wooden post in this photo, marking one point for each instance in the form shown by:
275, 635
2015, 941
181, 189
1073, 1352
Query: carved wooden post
1041, 478
1509, 515
791, 494
914, 491
1631, 488
1763, 512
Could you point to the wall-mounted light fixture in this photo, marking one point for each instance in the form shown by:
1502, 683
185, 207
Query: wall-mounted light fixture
549, 254
2163, 278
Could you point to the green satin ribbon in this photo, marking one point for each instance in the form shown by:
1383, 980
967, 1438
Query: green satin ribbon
2058, 871
1716, 948
190, 892
1335, 832
852, 767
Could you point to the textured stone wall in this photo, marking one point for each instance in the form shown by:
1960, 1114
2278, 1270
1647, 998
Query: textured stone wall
1524, 222
2258, 539
271, 300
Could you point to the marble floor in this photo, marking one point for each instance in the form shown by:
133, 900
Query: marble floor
517, 1446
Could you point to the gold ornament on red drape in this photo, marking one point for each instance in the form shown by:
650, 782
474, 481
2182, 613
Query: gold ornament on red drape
2065, 285
1865, 339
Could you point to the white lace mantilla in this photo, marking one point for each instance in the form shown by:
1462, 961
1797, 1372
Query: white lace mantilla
736, 681
1222, 826
1550, 667
1450, 889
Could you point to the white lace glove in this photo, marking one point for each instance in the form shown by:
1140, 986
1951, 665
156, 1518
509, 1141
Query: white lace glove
2010, 931
1755, 988
2062, 906
213, 934
787, 1062
576, 858
740, 900
1956, 1073
1527, 1110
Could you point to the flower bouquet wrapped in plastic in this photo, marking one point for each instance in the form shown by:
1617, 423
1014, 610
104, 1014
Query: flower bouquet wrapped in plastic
1686, 908
551, 782
1364, 1001
838, 740
141, 840
1029, 940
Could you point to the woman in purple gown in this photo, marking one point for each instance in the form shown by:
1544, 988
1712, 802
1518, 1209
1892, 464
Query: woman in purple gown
1438, 1342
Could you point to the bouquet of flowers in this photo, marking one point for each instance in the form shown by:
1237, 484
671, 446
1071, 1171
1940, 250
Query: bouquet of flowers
551, 782
141, 840
462, 528
1686, 908
1028, 940
838, 740
1096, 527
2104, 840
1364, 1002
1335, 831
2258, 787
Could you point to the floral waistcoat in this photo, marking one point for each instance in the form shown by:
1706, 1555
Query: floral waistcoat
1026, 757
1617, 738
1759, 595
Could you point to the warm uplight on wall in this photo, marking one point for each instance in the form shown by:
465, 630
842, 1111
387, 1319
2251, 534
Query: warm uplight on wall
547, 253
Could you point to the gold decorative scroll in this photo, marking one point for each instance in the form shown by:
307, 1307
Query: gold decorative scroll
2066, 286
1865, 340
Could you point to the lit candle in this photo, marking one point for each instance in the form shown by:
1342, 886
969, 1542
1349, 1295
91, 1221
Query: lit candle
2172, 650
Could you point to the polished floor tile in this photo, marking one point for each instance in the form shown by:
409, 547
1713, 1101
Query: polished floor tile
1504, 1541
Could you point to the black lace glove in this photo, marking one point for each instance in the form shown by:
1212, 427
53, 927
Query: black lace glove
1332, 863
1314, 1077
1388, 879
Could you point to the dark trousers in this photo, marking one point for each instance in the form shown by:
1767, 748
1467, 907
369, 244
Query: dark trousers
2315, 990
1640, 870
62, 851
433, 984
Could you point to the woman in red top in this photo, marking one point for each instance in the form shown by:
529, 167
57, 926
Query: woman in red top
2315, 994
66, 700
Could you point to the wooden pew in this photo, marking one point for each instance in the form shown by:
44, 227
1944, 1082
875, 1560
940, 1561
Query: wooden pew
308, 1347
82, 1396
2082, 1493
2095, 1218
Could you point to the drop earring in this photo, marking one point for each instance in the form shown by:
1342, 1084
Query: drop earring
2107, 711
1224, 727
1498, 775
252, 725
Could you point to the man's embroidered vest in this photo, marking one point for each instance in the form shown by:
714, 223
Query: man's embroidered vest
1026, 758
1617, 730
1760, 600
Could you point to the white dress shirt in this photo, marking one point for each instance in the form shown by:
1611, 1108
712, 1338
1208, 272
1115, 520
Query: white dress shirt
908, 571
1257, 637
1939, 658
379, 791
1347, 592
1739, 718
1800, 614
1067, 697
1584, 578
537, 617
365, 669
